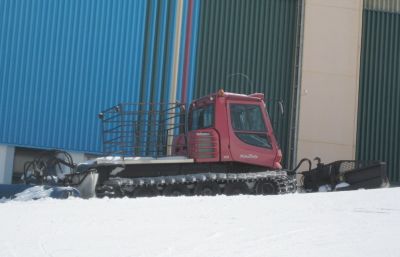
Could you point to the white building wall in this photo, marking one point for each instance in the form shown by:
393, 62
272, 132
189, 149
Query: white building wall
78, 157
6, 163
330, 75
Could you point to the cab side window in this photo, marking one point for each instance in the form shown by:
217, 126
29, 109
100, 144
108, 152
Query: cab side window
202, 117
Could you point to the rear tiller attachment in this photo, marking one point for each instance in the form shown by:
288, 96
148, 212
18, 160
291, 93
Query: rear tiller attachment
344, 175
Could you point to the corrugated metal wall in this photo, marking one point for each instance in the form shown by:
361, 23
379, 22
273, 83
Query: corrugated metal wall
379, 106
246, 47
61, 62
170, 40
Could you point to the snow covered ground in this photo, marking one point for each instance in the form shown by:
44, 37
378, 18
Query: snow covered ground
358, 223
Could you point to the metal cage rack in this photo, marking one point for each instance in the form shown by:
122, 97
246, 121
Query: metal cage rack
142, 129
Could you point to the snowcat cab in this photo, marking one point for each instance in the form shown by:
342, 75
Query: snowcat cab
231, 128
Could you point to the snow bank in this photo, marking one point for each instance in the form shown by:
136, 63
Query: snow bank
355, 223
34, 192
22, 192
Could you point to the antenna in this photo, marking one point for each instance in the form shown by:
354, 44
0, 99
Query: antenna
242, 75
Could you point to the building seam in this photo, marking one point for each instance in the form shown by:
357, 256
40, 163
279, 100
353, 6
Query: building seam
294, 120
360, 20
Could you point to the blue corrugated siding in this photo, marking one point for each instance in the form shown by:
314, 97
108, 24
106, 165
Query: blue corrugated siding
61, 62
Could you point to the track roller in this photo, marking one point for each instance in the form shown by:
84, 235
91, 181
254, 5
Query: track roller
207, 188
236, 188
266, 187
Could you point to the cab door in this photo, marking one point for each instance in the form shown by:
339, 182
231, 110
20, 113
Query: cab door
251, 137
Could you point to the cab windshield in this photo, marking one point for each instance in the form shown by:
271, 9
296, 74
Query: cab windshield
248, 124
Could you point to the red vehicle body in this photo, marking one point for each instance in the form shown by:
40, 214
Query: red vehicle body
225, 144
223, 141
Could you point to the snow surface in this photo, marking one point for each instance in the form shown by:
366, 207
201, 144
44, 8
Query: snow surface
355, 223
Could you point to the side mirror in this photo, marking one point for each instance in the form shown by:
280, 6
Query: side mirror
280, 102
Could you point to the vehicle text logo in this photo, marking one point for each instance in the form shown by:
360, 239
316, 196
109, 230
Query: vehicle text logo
248, 156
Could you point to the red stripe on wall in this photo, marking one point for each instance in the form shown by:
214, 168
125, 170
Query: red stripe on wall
187, 51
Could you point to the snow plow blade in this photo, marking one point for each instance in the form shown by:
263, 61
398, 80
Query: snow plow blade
345, 175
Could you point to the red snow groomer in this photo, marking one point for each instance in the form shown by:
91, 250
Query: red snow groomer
224, 143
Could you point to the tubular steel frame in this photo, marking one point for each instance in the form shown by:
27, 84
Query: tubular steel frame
142, 129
